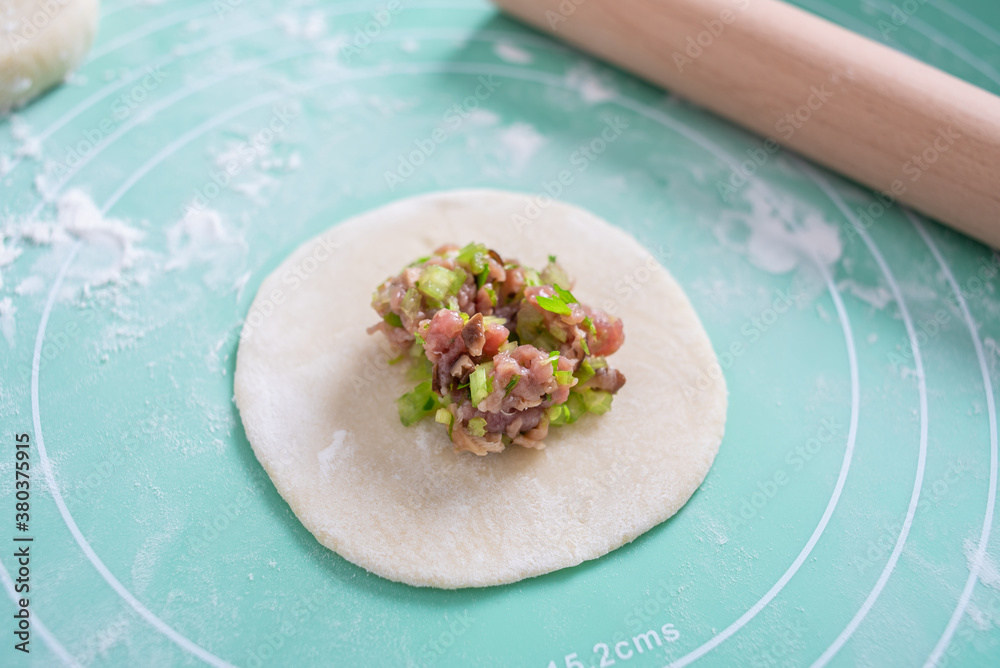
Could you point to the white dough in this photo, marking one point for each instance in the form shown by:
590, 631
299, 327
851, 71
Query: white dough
40, 42
318, 403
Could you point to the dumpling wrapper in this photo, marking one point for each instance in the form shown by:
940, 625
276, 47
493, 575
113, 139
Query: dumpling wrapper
318, 402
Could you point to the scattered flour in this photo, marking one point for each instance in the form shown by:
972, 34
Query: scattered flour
592, 88
989, 572
521, 141
784, 233
28, 145
32, 285
106, 245
202, 238
878, 297
309, 28
512, 54
328, 454
7, 325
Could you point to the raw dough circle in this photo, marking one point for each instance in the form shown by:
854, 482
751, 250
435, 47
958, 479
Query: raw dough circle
317, 400
40, 42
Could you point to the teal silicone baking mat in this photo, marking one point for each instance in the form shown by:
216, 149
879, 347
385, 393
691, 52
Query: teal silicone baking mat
849, 516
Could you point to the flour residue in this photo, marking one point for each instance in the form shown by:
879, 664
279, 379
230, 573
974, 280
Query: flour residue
989, 572
201, 237
877, 297
782, 233
106, 246
592, 88
307, 28
330, 453
7, 325
521, 141
512, 54
28, 146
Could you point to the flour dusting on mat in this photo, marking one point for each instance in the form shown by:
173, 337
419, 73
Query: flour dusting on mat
592, 88
7, 326
512, 54
784, 233
522, 141
107, 246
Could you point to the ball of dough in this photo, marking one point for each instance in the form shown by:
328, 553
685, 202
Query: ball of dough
40, 42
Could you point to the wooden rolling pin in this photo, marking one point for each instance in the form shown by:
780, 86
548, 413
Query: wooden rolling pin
888, 121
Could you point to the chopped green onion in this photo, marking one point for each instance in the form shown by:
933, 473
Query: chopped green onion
531, 277
420, 370
558, 415
411, 304
492, 295
596, 401
507, 347
585, 372
564, 295
444, 416
393, 320
482, 277
590, 325
554, 359
564, 377
464, 315
477, 426
583, 344
474, 256
598, 362
438, 283
576, 406
493, 320
510, 265
417, 403
397, 359
553, 305
511, 384
420, 260
481, 383
552, 259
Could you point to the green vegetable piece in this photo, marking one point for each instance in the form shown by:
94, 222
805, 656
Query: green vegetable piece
393, 320
576, 406
531, 277
511, 384
492, 294
558, 415
564, 295
474, 256
411, 304
554, 360
597, 401
585, 372
564, 377
477, 426
439, 283
417, 403
444, 416
508, 347
481, 382
554, 305
552, 259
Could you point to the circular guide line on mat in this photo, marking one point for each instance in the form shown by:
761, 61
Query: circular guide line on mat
918, 480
